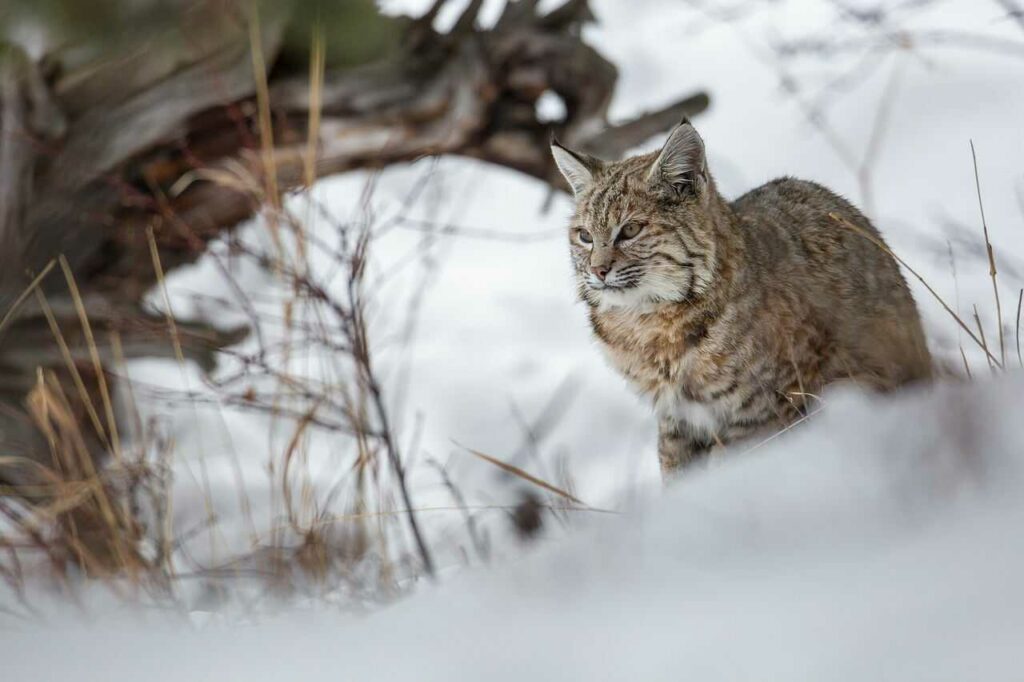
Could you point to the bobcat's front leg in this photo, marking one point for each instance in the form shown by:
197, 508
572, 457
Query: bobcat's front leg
677, 447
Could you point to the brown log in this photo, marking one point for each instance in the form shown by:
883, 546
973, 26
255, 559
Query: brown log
93, 154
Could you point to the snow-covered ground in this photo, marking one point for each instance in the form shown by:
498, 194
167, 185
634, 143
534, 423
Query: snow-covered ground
876, 542
882, 542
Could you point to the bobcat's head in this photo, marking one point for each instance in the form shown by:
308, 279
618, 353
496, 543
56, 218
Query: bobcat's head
643, 229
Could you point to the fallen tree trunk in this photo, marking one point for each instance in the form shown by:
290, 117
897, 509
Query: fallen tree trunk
189, 129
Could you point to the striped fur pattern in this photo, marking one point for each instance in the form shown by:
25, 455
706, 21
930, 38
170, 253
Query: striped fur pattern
732, 317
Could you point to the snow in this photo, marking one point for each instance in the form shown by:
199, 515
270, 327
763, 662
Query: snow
853, 548
877, 541
550, 107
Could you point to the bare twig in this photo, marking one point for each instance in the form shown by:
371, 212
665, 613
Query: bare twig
1013, 11
616, 140
1020, 300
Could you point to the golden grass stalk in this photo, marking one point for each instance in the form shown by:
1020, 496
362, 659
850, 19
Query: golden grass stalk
259, 72
269, 162
101, 377
967, 367
316, 85
881, 245
82, 495
984, 342
991, 259
12, 311
317, 65
69, 361
526, 476
289, 456
158, 268
179, 355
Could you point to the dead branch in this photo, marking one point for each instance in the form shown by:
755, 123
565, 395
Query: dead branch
164, 133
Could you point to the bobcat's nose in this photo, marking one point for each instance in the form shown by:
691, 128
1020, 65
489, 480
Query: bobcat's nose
600, 270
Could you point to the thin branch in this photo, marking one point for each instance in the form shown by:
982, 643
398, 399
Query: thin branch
467, 20
614, 141
1013, 11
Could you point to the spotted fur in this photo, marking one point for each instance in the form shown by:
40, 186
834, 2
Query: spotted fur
732, 317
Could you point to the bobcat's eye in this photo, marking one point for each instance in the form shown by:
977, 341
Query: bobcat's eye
584, 236
630, 230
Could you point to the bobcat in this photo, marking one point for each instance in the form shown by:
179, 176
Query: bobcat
731, 317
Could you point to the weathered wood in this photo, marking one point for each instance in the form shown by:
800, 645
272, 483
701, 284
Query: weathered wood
164, 134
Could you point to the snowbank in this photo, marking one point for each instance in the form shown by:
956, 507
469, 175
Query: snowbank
880, 541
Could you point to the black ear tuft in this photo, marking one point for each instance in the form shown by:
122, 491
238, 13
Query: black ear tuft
681, 163
578, 169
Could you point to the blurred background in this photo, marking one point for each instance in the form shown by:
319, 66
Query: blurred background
287, 305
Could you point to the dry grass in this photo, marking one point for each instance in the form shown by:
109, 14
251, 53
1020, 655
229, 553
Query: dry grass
978, 339
105, 503
106, 507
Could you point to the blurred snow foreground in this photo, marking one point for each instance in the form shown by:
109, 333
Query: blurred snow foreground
880, 541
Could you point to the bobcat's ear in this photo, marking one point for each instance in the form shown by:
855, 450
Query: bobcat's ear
681, 163
578, 169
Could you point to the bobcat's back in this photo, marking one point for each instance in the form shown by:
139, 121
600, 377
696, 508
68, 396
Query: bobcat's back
801, 237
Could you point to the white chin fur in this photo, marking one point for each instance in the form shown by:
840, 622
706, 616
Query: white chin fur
634, 297
648, 293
